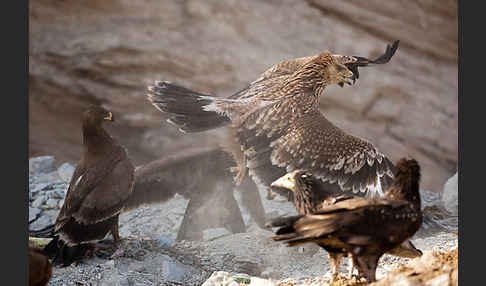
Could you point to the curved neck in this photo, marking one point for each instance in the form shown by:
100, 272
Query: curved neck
404, 188
306, 198
96, 139
309, 78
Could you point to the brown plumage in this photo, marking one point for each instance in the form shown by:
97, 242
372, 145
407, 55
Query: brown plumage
310, 195
362, 227
203, 176
40, 268
99, 188
278, 127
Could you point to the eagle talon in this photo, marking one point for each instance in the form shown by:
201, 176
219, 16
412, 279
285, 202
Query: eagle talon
241, 172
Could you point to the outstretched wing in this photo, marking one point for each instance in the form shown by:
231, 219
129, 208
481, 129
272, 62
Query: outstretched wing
315, 144
310, 142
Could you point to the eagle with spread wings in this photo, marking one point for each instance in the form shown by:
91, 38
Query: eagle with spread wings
278, 127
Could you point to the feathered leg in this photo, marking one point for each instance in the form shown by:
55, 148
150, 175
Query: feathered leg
335, 260
352, 266
251, 200
367, 266
114, 231
190, 229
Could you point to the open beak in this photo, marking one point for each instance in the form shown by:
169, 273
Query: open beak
349, 78
286, 182
353, 62
109, 117
348, 73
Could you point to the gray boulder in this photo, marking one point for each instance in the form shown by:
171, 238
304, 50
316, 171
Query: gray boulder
51, 204
43, 164
39, 201
33, 214
47, 218
35, 188
65, 171
449, 198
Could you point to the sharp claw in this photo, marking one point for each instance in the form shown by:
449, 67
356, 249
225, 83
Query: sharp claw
238, 178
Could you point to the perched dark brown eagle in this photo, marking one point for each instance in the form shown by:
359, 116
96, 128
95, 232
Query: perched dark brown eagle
40, 268
364, 228
101, 184
310, 195
278, 127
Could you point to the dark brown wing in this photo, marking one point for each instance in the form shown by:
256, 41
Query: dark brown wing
97, 192
184, 173
358, 224
108, 197
315, 144
310, 142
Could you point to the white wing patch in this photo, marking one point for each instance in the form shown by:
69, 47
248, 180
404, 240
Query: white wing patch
376, 189
78, 180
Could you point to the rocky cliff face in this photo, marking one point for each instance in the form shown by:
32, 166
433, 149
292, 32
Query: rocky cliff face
109, 51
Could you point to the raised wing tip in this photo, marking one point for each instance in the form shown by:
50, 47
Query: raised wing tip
389, 53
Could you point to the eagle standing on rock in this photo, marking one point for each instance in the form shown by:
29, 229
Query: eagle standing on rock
278, 127
361, 227
310, 195
101, 184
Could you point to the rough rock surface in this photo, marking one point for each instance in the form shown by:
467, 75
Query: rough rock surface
149, 254
109, 51
450, 195
434, 268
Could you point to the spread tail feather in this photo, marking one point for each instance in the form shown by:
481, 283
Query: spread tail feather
186, 108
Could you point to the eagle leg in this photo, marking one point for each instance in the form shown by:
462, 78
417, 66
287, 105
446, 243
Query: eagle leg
352, 267
114, 231
241, 173
335, 260
367, 266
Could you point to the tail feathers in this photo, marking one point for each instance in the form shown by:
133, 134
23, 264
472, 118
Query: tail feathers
194, 123
406, 249
46, 232
187, 108
296, 230
62, 254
